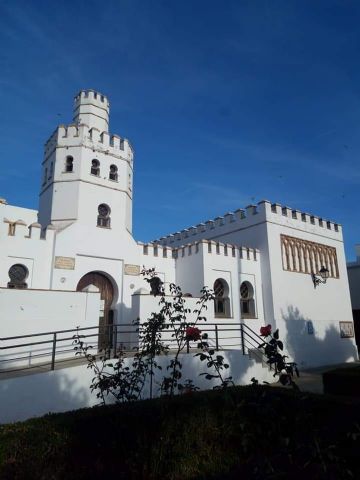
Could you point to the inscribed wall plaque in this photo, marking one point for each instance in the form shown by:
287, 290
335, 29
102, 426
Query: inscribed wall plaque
66, 263
346, 329
132, 269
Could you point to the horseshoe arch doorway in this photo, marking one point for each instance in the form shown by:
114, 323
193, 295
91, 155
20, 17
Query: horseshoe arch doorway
106, 314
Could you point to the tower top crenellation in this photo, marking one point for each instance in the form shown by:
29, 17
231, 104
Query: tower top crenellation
92, 108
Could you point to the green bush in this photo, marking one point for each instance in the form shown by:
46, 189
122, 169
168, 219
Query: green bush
342, 381
260, 432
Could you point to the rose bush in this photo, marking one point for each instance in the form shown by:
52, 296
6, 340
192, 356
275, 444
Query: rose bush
192, 334
272, 348
265, 331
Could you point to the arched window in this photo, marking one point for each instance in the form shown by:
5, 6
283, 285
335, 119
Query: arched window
247, 303
95, 167
113, 175
69, 164
221, 301
18, 273
103, 219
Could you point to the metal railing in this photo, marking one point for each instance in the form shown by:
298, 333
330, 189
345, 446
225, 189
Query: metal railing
48, 350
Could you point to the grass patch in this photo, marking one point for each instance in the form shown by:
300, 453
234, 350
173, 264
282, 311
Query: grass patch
260, 432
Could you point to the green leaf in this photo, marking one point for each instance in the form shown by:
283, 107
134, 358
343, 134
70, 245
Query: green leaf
276, 334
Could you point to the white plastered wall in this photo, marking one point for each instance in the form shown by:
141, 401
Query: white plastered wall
28, 246
28, 312
297, 302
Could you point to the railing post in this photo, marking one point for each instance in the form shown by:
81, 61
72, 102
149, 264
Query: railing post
242, 338
187, 346
216, 338
53, 353
115, 338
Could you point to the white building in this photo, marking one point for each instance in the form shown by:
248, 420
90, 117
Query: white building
258, 260
354, 282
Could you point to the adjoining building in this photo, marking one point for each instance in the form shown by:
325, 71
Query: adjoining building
75, 261
354, 283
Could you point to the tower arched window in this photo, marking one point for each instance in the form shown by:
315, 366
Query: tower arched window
69, 164
221, 301
95, 167
45, 175
247, 303
113, 174
103, 219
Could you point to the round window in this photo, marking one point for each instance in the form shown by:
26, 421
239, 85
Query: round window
18, 274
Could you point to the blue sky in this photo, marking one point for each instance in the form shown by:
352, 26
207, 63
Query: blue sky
226, 103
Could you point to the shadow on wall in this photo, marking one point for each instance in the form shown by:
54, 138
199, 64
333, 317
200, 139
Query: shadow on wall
38, 394
307, 349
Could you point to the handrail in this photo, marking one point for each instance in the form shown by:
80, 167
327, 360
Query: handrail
110, 337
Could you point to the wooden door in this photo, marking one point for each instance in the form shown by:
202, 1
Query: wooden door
106, 299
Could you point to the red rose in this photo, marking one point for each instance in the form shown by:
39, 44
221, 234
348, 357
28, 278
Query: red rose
265, 331
192, 334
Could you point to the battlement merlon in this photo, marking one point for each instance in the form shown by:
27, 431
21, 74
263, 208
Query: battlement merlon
82, 135
253, 215
92, 108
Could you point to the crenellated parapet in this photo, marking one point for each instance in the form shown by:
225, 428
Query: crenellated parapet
206, 247
154, 250
91, 137
19, 229
253, 215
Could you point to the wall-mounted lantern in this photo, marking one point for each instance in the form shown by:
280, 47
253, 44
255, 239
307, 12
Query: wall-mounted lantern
320, 277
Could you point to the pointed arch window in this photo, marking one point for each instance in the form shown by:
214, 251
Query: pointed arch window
95, 167
69, 164
221, 301
103, 219
113, 174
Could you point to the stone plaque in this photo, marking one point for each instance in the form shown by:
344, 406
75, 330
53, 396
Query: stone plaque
132, 269
66, 263
346, 329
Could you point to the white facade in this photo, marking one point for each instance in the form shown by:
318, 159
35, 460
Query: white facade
354, 283
266, 252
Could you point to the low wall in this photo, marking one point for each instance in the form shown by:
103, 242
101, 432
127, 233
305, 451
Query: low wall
68, 389
27, 312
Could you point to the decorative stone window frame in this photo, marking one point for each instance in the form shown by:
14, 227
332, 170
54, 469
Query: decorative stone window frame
304, 256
